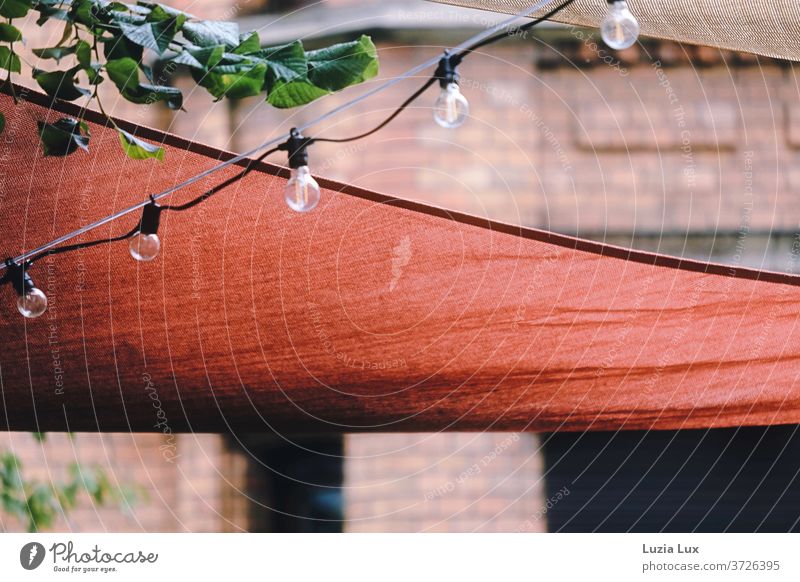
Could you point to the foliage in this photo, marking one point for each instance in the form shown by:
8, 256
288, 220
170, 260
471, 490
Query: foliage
39, 505
138, 46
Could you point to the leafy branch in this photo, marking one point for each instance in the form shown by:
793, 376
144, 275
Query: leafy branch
38, 505
128, 44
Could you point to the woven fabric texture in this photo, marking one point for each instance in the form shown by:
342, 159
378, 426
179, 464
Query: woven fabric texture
770, 28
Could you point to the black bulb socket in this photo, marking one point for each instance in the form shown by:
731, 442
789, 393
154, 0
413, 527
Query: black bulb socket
19, 278
446, 71
151, 218
297, 147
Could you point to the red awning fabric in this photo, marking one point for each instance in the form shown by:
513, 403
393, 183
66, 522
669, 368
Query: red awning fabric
367, 314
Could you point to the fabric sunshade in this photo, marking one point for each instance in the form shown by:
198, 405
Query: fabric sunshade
764, 27
369, 313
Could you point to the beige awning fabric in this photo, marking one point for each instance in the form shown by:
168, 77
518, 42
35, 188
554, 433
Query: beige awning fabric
765, 27
368, 314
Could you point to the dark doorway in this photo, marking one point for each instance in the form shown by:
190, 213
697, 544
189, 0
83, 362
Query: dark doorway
295, 484
737, 480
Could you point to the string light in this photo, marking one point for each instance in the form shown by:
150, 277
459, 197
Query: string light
451, 108
619, 29
145, 244
301, 192
31, 301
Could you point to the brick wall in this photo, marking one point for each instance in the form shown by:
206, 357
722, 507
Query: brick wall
197, 491
670, 147
444, 482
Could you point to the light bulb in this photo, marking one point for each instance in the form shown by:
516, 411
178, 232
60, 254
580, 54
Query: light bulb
620, 28
301, 191
451, 108
144, 247
32, 303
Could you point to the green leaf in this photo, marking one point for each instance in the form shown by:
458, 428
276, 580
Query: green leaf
342, 65
210, 33
58, 9
10, 467
54, 52
60, 84
234, 77
84, 53
249, 43
64, 136
152, 93
47, 12
91, 483
200, 58
125, 17
42, 508
327, 70
294, 93
2, 122
86, 12
93, 72
237, 76
68, 495
9, 60
9, 33
286, 63
81, 49
39, 436
125, 75
66, 35
138, 149
155, 35
12, 505
119, 47
162, 12
14, 8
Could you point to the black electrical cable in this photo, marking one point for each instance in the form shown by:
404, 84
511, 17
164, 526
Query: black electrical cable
382, 124
463, 49
86, 245
176, 208
221, 186
454, 60
522, 28
232, 180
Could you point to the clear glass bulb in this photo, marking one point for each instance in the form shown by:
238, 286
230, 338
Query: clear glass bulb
301, 191
144, 247
620, 28
451, 108
32, 303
